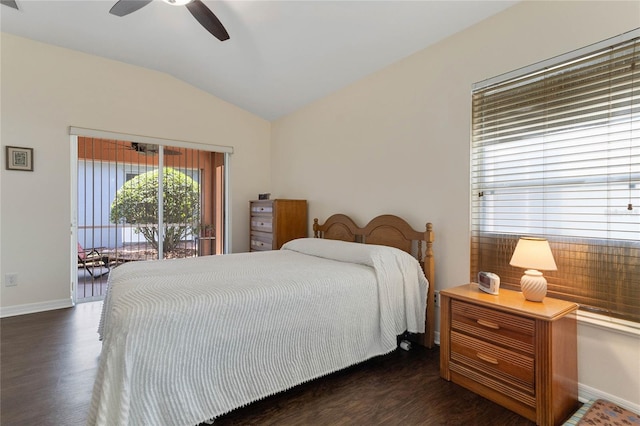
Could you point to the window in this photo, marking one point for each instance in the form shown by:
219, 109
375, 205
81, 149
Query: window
556, 154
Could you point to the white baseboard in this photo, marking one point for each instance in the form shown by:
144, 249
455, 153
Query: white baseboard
585, 393
30, 308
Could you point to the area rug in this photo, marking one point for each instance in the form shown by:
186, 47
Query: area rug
605, 413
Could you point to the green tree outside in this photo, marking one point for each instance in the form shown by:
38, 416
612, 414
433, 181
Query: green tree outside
136, 203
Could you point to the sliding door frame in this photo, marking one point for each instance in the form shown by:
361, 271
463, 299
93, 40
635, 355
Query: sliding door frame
76, 132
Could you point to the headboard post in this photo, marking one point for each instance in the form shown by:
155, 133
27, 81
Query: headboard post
316, 228
429, 272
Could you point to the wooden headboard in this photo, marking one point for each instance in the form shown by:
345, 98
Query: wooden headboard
393, 231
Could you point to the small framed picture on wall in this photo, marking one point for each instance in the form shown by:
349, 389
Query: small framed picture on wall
19, 158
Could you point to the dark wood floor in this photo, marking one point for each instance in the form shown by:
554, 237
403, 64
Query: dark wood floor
49, 360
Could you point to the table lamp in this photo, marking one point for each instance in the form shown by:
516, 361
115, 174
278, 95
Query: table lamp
533, 254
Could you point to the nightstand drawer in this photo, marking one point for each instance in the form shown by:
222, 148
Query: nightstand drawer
508, 366
499, 328
262, 224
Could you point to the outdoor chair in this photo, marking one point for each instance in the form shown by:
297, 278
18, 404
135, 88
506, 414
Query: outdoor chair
90, 259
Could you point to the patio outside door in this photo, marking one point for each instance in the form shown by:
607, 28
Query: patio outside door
142, 201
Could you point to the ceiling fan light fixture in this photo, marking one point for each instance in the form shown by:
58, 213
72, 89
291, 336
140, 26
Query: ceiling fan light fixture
177, 2
197, 8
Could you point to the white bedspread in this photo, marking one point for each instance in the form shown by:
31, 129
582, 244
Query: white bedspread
187, 340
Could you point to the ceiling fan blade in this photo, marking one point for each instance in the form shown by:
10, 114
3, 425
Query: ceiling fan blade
151, 149
207, 19
125, 7
10, 3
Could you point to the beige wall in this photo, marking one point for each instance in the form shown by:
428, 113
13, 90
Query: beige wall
398, 142
395, 142
46, 89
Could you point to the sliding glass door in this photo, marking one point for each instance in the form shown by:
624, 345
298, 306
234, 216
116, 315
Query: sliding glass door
141, 201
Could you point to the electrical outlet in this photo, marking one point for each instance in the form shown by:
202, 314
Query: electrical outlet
436, 295
10, 280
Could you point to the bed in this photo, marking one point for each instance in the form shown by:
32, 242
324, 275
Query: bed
187, 340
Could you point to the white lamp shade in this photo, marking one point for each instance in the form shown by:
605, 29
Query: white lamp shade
533, 253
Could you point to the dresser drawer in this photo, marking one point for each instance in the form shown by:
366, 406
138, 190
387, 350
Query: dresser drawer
495, 327
261, 208
507, 366
262, 223
261, 242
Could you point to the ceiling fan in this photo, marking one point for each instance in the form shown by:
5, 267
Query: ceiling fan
198, 9
151, 149
10, 3
147, 149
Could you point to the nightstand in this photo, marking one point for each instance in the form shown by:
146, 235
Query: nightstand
519, 354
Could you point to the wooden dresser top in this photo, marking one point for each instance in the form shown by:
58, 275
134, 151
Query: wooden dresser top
512, 301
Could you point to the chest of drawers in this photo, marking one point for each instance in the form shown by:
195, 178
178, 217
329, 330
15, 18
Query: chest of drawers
517, 353
274, 222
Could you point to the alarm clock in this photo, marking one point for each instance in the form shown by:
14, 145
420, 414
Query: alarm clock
488, 282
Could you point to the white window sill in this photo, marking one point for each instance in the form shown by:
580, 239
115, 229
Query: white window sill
628, 328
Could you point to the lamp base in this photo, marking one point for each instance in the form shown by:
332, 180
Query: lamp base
533, 285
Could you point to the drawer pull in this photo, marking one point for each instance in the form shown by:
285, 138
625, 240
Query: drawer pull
488, 324
487, 358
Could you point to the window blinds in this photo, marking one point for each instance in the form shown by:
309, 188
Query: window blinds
556, 153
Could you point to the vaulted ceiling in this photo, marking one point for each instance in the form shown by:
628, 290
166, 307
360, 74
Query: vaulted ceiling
281, 55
